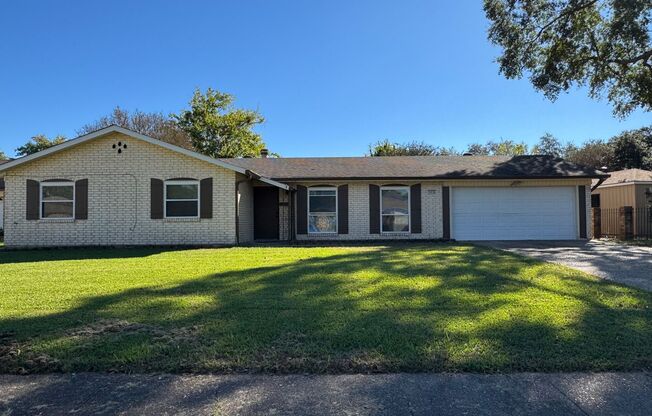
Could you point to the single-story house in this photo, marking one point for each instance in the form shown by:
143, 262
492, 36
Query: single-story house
119, 187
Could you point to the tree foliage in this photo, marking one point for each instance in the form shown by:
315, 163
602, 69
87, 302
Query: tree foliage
38, 143
3, 156
217, 129
602, 44
548, 145
633, 149
154, 125
414, 148
498, 148
598, 154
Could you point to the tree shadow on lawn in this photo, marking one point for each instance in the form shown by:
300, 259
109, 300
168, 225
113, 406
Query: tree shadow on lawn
399, 308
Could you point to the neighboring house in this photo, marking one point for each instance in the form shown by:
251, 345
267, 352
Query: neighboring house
624, 188
118, 187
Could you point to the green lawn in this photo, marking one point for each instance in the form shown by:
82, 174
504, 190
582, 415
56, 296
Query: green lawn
403, 307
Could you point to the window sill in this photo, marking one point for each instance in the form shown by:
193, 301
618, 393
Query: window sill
56, 220
323, 234
396, 233
181, 219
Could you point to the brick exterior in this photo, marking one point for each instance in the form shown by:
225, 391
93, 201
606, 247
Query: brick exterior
119, 197
431, 204
119, 200
431, 214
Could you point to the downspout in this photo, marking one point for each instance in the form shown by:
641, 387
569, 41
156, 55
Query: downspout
291, 236
600, 181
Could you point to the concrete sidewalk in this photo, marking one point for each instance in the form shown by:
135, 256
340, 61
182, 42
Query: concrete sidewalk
395, 394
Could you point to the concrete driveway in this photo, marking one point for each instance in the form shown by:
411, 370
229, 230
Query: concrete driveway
629, 265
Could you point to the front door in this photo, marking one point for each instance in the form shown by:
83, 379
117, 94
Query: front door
265, 213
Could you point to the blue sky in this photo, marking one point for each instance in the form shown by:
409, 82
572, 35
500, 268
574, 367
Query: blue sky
329, 76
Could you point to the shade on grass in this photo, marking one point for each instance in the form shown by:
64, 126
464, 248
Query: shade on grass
403, 307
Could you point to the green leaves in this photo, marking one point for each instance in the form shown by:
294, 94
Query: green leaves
604, 45
38, 143
217, 129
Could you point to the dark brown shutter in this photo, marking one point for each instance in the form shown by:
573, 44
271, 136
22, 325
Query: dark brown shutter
33, 200
374, 209
81, 199
206, 198
582, 207
415, 209
343, 209
156, 199
302, 210
446, 211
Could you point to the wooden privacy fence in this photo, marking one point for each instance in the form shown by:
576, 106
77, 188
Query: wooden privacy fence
624, 223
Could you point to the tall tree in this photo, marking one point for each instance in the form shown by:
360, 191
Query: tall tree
598, 154
154, 125
217, 129
3, 156
38, 143
633, 149
498, 148
414, 148
602, 44
548, 145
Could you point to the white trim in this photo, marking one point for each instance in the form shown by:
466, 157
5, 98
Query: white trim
117, 129
165, 198
323, 188
41, 201
409, 206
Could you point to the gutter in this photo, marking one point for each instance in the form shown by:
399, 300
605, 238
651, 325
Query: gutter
600, 181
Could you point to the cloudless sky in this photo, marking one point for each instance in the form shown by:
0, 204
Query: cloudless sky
329, 76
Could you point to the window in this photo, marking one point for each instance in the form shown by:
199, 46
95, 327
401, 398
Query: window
395, 209
595, 201
322, 210
182, 199
57, 200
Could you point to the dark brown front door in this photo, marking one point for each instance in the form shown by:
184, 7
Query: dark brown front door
265, 213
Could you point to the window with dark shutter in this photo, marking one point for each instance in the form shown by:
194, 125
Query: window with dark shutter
343, 209
446, 211
415, 209
206, 198
302, 210
81, 199
374, 209
156, 199
32, 200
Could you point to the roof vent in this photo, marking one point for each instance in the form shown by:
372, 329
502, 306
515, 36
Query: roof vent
467, 154
264, 153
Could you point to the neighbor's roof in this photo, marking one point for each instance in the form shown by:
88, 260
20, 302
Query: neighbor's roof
627, 176
416, 167
113, 128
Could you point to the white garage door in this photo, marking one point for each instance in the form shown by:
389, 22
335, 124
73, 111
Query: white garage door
542, 213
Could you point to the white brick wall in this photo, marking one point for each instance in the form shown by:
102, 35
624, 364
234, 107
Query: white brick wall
431, 215
119, 197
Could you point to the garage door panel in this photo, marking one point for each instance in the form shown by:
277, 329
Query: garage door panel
514, 213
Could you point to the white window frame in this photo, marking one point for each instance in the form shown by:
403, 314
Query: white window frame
180, 182
323, 188
41, 201
409, 206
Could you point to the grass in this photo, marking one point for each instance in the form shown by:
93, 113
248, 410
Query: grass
403, 307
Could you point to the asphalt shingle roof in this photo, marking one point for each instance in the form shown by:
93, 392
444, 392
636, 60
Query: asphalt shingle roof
628, 176
421, 167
